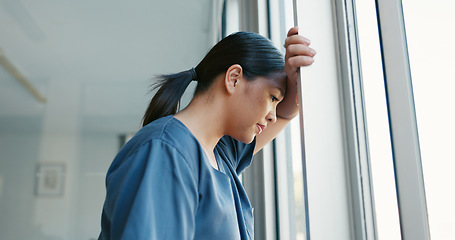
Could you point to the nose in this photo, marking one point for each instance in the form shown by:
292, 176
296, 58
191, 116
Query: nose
271, 116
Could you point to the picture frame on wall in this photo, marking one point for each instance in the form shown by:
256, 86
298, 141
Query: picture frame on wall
50, 179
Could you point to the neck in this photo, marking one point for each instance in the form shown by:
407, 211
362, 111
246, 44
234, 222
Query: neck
204, 118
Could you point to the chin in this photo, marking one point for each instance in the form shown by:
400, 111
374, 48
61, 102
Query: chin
246, 137
249, 141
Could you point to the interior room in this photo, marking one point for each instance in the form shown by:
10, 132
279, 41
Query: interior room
374, 161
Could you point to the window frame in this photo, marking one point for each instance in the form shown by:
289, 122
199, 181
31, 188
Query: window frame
351, 124
342, 103
402, 121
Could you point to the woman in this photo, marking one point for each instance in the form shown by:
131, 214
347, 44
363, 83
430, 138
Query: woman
177, 178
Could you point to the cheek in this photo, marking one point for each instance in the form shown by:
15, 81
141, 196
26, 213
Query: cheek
255, 104
260, 107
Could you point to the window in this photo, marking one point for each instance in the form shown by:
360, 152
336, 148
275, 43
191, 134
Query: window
387, 219
433, 86
335, 169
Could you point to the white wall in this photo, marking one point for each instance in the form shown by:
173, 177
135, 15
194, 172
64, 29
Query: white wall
76, 214
16, 193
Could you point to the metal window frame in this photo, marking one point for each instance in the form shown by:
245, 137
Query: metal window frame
402, 121
351, 122
358, 160
357, 190
283, 169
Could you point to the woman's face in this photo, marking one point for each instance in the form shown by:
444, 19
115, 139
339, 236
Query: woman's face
255, 106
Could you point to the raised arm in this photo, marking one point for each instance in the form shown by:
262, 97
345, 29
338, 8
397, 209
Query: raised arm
298, 54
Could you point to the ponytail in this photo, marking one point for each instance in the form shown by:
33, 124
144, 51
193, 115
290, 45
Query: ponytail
166, 100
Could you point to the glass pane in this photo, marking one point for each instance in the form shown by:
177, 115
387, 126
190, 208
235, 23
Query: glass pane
92, 61
297, 168
430, 34
296, 146
385, 200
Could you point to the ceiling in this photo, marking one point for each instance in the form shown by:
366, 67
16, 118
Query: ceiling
94, 60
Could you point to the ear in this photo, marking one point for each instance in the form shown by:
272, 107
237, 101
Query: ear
232, 79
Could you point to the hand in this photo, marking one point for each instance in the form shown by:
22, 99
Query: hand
298, 54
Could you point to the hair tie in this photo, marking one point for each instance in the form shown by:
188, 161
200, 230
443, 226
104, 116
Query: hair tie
193, 74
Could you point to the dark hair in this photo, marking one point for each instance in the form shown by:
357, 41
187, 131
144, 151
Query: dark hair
256, 54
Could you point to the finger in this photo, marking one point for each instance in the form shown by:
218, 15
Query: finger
298, 61
299, 49
293, 31
296, 39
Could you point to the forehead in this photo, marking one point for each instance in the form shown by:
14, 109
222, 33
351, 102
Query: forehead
275, 80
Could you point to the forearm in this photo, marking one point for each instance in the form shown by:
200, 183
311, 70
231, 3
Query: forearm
288, 108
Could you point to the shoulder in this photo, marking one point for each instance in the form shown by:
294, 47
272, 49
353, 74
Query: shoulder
168, 130
160, 139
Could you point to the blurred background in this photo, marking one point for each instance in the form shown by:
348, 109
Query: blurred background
89, 65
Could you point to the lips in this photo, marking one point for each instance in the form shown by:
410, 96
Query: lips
260, 128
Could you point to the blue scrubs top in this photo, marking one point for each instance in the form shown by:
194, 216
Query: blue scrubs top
162, 186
